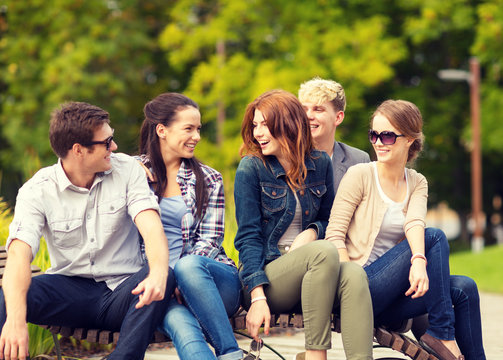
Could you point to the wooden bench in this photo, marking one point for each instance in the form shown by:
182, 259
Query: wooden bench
395, 340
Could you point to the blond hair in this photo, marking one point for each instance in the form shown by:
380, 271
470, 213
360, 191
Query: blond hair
319, 91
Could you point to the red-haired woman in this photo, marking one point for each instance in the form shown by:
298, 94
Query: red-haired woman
283, 193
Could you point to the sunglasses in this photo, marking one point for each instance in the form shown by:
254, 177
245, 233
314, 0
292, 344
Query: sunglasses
387, 137
107, 142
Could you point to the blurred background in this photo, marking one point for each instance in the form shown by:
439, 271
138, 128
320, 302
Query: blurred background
223, 53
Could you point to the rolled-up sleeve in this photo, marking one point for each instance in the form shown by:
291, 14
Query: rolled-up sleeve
139, 195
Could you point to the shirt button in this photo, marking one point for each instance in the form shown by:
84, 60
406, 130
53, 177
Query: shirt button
88, 216
92, 262
112, 208
306, 212
301, 192
318, 192
274, 193
92, 239
287, 248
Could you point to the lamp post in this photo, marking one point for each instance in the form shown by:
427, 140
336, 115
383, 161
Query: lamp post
473, 79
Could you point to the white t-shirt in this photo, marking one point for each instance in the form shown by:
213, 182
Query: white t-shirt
391, 231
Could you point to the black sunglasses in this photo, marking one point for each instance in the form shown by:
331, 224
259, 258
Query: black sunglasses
387, 137
107, 142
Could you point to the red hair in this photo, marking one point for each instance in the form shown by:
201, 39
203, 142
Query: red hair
288, 123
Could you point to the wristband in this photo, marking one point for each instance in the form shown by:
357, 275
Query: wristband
258, 299
418, 256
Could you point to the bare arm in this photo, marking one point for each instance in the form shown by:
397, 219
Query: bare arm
418, 277
156, 247
16, 281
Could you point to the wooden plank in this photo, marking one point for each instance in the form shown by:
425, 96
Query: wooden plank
105, 337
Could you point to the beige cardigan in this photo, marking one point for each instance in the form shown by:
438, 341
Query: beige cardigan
358, 210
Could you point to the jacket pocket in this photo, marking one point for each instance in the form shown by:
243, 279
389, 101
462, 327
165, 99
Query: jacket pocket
273, 197
317, 193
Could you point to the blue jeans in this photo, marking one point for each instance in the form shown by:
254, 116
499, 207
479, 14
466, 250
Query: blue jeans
211, 291
81, 302
389, 279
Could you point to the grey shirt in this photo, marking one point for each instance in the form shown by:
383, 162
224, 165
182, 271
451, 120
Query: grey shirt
343, 157
89, 232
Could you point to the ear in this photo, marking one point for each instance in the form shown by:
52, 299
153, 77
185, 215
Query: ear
160, 130
339, 117
77, 150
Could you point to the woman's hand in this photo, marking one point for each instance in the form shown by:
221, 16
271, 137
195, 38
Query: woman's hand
149, 174
257, 315
305, 237
418, 278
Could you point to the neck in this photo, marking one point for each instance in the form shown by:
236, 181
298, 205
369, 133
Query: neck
326, 145
172, 164
76, 176
393, 173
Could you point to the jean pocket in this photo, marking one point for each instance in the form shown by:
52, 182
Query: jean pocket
112, 214
273, 197
317, 192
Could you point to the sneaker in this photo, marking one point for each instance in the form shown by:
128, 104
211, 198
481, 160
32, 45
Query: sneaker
300, 356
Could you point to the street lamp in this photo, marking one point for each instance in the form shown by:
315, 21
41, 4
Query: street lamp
473, 79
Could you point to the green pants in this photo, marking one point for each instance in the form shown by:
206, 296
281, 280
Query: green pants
312, 276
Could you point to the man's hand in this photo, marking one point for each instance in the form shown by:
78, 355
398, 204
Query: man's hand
151, 289
14, 340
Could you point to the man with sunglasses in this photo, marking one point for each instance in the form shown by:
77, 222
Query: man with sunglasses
325, 103
86, 207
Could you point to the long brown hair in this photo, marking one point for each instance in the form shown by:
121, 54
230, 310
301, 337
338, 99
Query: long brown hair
288, 123
163, 110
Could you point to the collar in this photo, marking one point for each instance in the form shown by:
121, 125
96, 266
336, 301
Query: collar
65, 183
338, 153
278, 170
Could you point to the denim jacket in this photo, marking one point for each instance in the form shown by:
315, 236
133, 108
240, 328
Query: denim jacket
265, 207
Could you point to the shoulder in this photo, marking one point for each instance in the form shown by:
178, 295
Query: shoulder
211, 175
353, 153
250, 163
121, 159
416, 177
360, 170
39, 181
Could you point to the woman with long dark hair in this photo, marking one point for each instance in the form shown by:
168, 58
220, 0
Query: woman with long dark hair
283, 193
378, 222
191, 199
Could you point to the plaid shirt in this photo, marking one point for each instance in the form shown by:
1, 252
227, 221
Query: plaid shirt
203, 236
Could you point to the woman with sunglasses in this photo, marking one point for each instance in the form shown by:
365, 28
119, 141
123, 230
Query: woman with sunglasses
191, 198
378, 222
283, 192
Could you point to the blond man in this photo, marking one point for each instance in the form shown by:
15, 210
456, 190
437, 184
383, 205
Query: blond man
325, 103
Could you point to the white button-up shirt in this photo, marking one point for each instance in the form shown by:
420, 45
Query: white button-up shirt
89, 232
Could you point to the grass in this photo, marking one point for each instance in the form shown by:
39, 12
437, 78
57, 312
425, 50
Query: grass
484, 267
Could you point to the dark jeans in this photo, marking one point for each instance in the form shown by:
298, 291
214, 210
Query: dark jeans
452, 302
80, 302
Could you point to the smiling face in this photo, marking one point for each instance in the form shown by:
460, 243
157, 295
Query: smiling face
268, 144
98, 156
323, 120
179, 139
396, 153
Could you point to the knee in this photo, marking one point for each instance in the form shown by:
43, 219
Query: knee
324, 252
434, 236
188, 265
354, 274
463, 288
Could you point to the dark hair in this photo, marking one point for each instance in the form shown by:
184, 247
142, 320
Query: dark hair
288, 123
406, 118
74, 122
163, 110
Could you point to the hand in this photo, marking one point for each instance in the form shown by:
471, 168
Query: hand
257, 315
14, 341
151, 289
178, 295
305, 237
149, 174
418, 278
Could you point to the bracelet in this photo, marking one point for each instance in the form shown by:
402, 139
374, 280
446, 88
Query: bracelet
418, 256
258, 299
